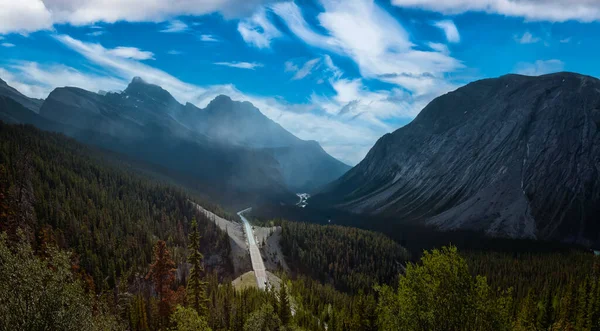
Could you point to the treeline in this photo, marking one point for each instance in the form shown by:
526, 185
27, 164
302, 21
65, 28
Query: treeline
348, 258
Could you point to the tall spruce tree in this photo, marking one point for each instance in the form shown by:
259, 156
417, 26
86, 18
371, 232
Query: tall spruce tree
196, 287
162, 274
285, 314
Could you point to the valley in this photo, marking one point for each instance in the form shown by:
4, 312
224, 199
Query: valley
163, 217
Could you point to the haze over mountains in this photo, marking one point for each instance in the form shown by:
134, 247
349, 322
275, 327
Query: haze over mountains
515, 156
211, 149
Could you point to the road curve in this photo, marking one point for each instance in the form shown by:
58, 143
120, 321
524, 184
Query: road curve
258, 264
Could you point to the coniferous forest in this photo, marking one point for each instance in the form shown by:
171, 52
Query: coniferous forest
87, 243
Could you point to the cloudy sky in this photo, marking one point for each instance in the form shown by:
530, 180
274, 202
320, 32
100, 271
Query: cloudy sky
342, 72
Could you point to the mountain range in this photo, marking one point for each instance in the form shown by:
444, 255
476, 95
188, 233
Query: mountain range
212, 149
514, 156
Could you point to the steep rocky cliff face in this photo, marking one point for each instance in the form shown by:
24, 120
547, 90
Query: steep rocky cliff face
514, 156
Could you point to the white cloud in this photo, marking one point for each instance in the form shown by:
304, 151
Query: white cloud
23, 16
8, 45
539, 67
208, 38
533, 10
442, 48
257, 30
306, 69
131, 53
289, 66
292, 16
175, 26
566, 40
174, 52
449, 29
36, 80
241, 65
376, 42
96, 33
527, 38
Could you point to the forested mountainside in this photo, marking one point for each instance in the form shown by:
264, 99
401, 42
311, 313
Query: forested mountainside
350, 259
513, 156
59, 190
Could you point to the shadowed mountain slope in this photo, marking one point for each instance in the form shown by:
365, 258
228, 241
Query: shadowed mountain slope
514, 156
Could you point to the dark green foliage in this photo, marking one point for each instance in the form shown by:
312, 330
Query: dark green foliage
43, 293
550, 290
109, 216
196, 284
285, 314
348, 258
441, 294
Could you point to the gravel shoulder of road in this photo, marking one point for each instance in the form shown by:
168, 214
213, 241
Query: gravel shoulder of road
237, 239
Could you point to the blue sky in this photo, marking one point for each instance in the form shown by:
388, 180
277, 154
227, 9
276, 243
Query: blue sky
339, 72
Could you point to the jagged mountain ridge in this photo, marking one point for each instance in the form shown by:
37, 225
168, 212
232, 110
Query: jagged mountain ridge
146, 122
514, 156
304, 164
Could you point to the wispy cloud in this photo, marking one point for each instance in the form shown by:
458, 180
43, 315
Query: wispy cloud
540, 67
527, 38
306, 69
131, 53
376, 42
449, 29
174, 52
257, 30
37, 80
240, 65
533, 10
24, 16
175, 26
208, 38
566, 40
8, 45
96, 33
442, 48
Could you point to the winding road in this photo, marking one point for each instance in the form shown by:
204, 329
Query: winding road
258, 264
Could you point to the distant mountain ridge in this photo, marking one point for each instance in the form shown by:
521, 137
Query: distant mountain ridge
146, 122
305, 165
515, 156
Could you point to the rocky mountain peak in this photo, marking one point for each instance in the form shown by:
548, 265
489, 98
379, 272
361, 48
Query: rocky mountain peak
512, 156
140, 89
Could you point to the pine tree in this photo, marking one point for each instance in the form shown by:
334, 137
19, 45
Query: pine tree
285, 314
162, 274
196, 286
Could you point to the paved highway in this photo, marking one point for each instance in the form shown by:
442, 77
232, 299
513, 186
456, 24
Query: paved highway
257, 262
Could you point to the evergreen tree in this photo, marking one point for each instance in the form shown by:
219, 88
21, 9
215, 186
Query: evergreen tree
162, 274
187, 319
285, 313
196, 287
